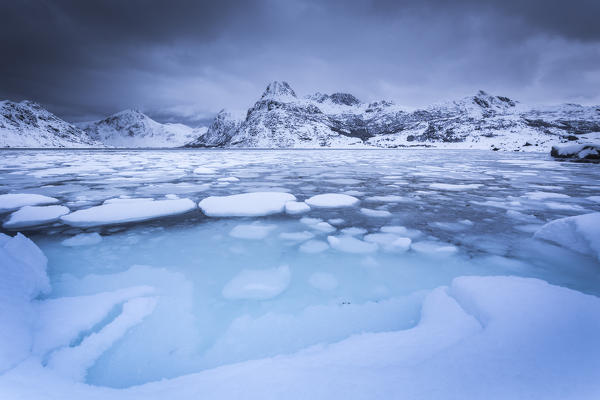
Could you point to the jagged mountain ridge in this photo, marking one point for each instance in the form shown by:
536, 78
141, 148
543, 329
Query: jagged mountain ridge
132, 128
280, 119
27, 124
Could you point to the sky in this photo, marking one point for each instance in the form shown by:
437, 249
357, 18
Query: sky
184, 60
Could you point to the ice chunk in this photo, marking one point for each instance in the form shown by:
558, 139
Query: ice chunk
314, 246
13, 201
296, 207
354, 231
204, 170
401, 230
350, 244
35, 215
124, 212
318, 224
375, 213
545, 195
297, 236
258, 284
387, 199
251, 231
580, 233
389, 241
323, 281
434, 248
332, 200
83, 239
254, 204
455, 187
229, 179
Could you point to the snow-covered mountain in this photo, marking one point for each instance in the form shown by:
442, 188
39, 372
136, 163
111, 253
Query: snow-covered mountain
281, 119
131, 128
27, 124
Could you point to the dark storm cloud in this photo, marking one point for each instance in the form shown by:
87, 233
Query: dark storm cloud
184, 60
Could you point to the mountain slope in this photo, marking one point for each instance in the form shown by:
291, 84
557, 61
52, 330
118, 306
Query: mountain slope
281, 119
27, 124
131, 128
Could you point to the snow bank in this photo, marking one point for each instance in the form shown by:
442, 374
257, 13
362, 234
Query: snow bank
332, 200
580, 233
255, 204
35, 215
13, 201
586, 151
128, 211
22, 278
258, 284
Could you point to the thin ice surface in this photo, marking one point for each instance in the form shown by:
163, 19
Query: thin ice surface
223, 295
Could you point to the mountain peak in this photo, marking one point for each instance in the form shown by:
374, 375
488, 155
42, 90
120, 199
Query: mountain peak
277, 89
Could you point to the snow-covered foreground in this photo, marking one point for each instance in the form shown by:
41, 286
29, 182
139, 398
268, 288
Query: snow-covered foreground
436, 274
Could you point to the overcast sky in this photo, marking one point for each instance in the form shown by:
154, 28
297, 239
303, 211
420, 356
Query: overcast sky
185, 60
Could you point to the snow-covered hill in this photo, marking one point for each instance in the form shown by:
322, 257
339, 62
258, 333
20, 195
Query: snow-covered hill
483, 121
27, 124
131, 128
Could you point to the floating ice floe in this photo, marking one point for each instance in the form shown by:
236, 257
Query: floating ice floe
375, 213
13, 201
353, 231
434, 248
545, 195
204, 170
296, 207
34, 215
297, 236
401, 231
229, 179
580, 233
314, 246
332, 200
389, 241
258, 284
83, 239
350, 244
318, 224
323, 281
387, 199
251, 231
594, 198
254, 204
129, 211
455, 187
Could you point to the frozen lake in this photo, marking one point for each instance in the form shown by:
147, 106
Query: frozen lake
232, 289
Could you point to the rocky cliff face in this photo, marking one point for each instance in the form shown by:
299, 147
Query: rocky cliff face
280, 119
27, 124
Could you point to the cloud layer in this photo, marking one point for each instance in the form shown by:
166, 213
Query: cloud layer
185, 60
